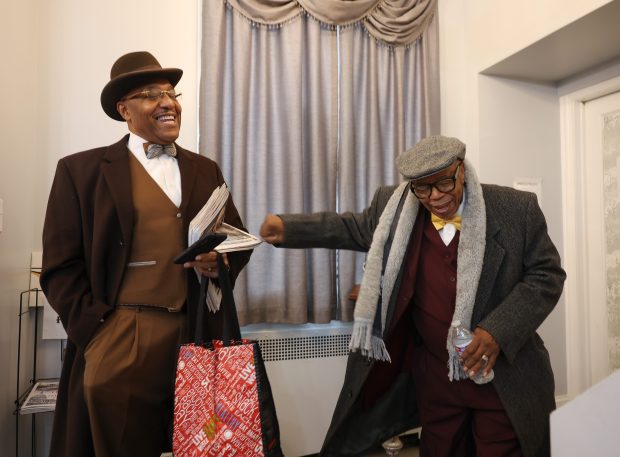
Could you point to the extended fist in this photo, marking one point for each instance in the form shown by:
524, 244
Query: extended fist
272, 229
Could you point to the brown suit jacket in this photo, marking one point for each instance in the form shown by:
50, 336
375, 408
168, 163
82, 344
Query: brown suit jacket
87, 238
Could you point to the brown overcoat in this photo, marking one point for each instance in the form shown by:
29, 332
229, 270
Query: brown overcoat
87, 239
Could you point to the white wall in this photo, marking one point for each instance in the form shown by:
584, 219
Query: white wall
18, 158
56, 59
475, 34
520, 137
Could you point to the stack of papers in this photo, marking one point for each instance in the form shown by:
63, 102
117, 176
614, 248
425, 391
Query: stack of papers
210, 216
41, 398
236, 239
210, 219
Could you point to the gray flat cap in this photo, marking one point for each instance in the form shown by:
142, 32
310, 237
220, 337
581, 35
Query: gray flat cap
430, 155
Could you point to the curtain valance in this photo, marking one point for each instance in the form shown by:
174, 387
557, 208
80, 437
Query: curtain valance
393, 22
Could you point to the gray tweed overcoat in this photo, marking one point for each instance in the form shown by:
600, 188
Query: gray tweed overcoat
520, 284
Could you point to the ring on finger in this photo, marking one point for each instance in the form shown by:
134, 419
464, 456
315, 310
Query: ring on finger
485, 357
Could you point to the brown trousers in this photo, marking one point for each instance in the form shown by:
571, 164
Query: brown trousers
129, 382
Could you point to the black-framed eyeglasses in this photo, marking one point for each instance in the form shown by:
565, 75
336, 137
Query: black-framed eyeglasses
443, 185
153, 94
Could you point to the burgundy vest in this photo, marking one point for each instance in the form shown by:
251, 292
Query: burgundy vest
435, 292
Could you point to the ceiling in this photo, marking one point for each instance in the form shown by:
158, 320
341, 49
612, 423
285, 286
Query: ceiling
589, 42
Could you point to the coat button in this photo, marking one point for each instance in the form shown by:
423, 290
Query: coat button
178, 215
121, 243
452, 279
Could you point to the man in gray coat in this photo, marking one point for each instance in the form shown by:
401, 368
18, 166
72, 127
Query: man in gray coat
442, 248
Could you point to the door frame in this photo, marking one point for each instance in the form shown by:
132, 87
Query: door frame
579, 289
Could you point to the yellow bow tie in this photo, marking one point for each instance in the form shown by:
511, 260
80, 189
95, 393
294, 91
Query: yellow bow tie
439, 222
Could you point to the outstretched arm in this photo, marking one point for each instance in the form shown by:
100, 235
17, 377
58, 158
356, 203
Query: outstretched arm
352, 231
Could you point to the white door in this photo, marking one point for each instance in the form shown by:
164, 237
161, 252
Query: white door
602, 212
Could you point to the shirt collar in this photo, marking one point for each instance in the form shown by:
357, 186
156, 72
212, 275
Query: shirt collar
136, 144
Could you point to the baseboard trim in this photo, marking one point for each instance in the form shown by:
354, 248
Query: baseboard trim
561, 400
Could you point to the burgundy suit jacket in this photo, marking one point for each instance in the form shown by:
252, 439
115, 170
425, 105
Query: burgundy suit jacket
87, 239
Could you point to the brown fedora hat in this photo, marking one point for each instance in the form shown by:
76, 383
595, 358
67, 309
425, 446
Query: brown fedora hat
129, 72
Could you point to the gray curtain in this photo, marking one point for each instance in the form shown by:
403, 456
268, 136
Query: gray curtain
305, 105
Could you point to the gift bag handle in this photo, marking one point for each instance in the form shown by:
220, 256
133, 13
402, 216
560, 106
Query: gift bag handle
230, 322
232, 330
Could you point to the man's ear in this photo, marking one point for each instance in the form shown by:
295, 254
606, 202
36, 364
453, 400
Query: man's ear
122, 110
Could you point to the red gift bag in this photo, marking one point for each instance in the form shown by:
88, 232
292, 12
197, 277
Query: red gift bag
223, 404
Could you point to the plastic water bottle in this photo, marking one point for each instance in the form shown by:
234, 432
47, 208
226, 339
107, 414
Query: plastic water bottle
462, 338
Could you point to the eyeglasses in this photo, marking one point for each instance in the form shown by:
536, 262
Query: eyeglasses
153, 94
443, 185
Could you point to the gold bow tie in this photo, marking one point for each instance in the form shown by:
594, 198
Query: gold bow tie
439, 223
155, 150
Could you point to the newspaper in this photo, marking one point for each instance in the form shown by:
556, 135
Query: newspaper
236, 239
41, 398
210, 219
210, 215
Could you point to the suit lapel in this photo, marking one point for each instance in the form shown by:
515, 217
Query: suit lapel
493, 257
115, 168
187, 168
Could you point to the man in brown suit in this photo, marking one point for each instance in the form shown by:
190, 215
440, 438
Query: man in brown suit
116, 218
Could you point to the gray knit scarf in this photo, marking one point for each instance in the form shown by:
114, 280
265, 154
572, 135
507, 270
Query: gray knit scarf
378, 281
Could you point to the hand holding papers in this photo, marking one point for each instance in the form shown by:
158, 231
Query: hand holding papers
205, 244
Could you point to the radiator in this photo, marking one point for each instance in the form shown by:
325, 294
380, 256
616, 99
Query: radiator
306, 366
